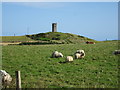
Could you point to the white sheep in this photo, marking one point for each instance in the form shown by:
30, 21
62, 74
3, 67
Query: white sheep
54, 54
69, 59
80, 51
116, 52
79, 54
57, 54
5, 77
60, 55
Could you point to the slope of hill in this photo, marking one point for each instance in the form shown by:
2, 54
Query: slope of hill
59, 37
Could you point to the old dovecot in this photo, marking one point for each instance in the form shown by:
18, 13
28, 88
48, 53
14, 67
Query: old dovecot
54, 27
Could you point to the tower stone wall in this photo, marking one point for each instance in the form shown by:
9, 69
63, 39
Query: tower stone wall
54, 27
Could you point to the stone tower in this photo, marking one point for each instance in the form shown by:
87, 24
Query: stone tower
54, 27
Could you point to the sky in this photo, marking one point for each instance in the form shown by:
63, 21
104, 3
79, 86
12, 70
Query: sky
95, 20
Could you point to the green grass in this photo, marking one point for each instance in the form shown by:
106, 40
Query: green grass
99, 68
15, 38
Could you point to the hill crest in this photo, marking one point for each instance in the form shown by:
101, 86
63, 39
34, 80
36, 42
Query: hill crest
59, 37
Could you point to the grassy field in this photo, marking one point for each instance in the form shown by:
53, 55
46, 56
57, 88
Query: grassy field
15, 38
99, 68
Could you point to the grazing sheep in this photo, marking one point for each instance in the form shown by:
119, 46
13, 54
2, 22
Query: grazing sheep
79, 54
5, 77
54, 54
116, 52
80, 51
57, 54
60, 55
69, 59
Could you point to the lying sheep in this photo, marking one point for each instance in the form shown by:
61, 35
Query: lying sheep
57, 54
5, 77
116, 52
69, 59
79, 54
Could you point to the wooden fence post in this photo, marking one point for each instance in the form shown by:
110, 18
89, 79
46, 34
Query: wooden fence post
18, 80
